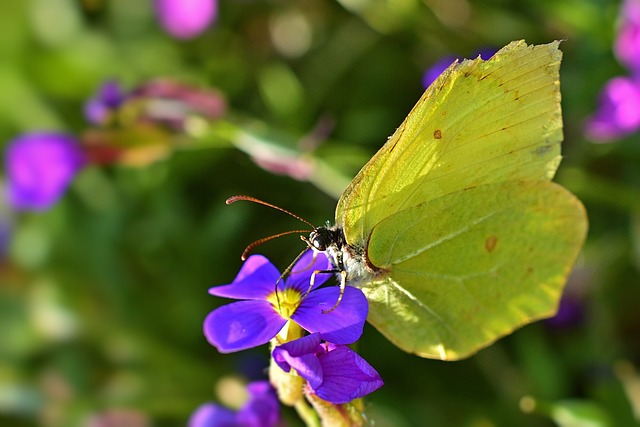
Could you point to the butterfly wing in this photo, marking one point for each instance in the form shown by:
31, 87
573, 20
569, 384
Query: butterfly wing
462, 270
479, 122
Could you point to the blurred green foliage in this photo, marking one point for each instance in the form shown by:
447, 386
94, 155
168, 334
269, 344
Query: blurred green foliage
102, 298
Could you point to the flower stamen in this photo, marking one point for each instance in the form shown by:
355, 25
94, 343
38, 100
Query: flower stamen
285, 302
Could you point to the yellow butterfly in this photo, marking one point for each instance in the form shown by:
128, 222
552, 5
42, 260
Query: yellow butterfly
454, 230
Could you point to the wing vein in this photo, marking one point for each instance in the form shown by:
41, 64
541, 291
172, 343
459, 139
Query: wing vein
442, 240
429, 310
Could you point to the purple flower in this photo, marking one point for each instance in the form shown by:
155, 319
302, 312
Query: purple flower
212, 415
618, 114
39, 167
99, 108
570, 313
260, 410
262, 314
186, 19
436, 69
627, 44
442, 64
335, 373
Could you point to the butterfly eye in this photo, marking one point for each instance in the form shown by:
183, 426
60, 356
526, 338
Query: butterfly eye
318, 240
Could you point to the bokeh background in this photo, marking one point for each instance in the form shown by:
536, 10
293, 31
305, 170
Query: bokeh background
102, 295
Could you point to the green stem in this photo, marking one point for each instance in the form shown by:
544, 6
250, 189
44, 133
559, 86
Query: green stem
307, 413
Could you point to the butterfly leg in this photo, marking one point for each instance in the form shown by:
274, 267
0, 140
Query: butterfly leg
343, 284
312, 281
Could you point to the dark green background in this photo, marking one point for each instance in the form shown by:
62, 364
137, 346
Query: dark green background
102, 298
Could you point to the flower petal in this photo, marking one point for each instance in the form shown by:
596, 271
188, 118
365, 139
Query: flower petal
300, 275
241, 325
618, 113
344, 324
300, 355
210, 414
347, 376
256, 280
262, 409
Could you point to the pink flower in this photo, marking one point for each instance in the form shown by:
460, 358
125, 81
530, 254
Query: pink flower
185, 19
618, 113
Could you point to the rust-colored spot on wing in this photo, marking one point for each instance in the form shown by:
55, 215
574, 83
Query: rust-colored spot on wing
490, 243
437, 134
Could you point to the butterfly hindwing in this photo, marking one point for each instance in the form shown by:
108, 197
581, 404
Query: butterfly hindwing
462, 270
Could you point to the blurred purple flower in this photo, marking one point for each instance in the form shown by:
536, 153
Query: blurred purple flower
261, 410
442, 64
570, 313
262, 314
99, 108
618, 114
335, 373
627, 44
436, 69
185, 19
39, 167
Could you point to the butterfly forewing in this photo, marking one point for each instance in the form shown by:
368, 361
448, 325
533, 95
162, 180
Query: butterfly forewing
479, 122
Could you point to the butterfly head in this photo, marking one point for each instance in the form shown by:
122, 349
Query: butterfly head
323, 238
319, 239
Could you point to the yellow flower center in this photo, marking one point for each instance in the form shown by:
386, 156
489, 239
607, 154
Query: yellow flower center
285, 302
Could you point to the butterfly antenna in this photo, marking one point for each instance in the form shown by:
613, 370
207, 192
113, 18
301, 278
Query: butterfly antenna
258, 242
234, 199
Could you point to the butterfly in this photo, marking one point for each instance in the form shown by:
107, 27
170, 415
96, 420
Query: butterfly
454, 230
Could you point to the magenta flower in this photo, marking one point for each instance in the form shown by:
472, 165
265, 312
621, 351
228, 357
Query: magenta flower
335, 373
185, 19
618, 113
261, 410
627, 44
433, 72
261, 314
39, 167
